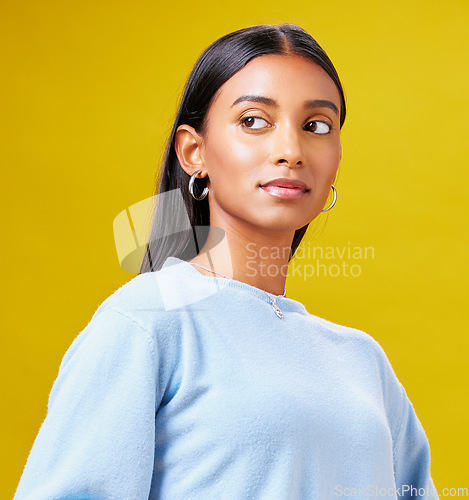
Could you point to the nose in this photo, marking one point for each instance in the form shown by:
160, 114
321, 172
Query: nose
286, 147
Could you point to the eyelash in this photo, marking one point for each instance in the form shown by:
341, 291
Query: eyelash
331, 128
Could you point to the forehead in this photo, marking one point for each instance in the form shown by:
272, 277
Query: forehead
286, 78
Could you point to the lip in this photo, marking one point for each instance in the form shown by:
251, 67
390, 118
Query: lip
286, 189
286, 183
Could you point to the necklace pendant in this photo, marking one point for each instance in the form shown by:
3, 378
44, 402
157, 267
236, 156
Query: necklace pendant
277, 310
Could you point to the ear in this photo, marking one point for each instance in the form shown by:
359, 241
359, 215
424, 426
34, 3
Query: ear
189, 145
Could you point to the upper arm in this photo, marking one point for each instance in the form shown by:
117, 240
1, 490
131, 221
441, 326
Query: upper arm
411, 452
97, 440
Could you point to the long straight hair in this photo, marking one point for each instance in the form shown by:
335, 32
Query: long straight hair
217, 64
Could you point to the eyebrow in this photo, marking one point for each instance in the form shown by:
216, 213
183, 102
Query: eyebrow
314, 103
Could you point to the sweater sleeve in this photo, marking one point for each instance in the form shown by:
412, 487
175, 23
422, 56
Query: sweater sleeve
412, 455
97, 440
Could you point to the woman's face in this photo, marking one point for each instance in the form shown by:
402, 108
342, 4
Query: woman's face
278, 117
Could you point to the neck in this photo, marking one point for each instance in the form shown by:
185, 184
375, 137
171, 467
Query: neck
260, 261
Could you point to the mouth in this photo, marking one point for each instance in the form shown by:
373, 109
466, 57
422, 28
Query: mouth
285, 188
284, 192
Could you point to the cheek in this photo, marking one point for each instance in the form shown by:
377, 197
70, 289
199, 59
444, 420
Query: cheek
234, 159
328, 161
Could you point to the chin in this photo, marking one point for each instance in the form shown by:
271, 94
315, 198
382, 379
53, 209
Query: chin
282, 224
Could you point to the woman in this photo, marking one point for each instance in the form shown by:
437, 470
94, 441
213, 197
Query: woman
199, 378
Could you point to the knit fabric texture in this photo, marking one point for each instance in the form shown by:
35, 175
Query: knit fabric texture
184, 386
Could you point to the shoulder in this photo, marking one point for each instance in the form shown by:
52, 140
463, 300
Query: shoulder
144, 304
132, 319
347, 334
132, 295
366, 350
141, 298
370, 358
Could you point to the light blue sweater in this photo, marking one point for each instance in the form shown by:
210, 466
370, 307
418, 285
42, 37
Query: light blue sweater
188, 387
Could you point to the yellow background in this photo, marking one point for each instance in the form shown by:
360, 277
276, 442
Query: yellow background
89, 90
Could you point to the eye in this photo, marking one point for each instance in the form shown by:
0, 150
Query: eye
251, 121
319, 127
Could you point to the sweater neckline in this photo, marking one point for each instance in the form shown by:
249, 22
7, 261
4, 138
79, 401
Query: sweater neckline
185, 268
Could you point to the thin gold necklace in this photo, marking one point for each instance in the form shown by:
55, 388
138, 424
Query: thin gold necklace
275, 307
